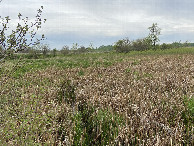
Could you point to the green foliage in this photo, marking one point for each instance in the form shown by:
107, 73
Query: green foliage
10, 53
81, 73
75, 46
154, 34
67, 92
188, 114
188, 118
95, 127
163, 52
181, 44
128, 70
141, 44
23, 36
91, 47
91, 126
45, 49
1, 51
123, 46
65, 50
31, 115
82, 49
103, 48
41, 48
165, 46
29, 63
176, 44
54, 52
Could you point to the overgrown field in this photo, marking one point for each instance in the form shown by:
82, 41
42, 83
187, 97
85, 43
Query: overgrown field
99, 99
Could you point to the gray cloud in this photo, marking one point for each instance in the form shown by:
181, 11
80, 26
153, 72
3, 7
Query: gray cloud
104, 21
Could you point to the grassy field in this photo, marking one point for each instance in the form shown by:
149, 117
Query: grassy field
99, 99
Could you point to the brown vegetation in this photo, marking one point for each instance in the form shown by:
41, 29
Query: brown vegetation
148, 93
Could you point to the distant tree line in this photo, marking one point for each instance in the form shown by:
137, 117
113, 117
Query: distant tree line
147, 43
121, 46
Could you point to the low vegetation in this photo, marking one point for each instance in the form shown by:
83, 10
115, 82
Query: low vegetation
135, 92
99, 99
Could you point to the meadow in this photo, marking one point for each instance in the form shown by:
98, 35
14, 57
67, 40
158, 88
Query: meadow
135, 98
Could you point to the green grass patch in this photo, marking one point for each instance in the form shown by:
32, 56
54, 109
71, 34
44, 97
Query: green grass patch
163, 52
86, 60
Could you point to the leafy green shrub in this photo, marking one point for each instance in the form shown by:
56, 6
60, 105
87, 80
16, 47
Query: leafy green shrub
123, 46
65, 50
141, 44
165, 46
54, 51
82, 49
45, 49
103, 48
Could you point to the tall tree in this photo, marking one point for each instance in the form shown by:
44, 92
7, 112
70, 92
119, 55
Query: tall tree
154, 34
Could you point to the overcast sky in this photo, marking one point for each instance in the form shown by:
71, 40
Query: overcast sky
103, 22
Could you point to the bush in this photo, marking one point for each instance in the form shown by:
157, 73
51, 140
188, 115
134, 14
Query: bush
165, 46
123, 46
65, 50
103, 48
141, 44
45, 49
54, 52
82, 49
